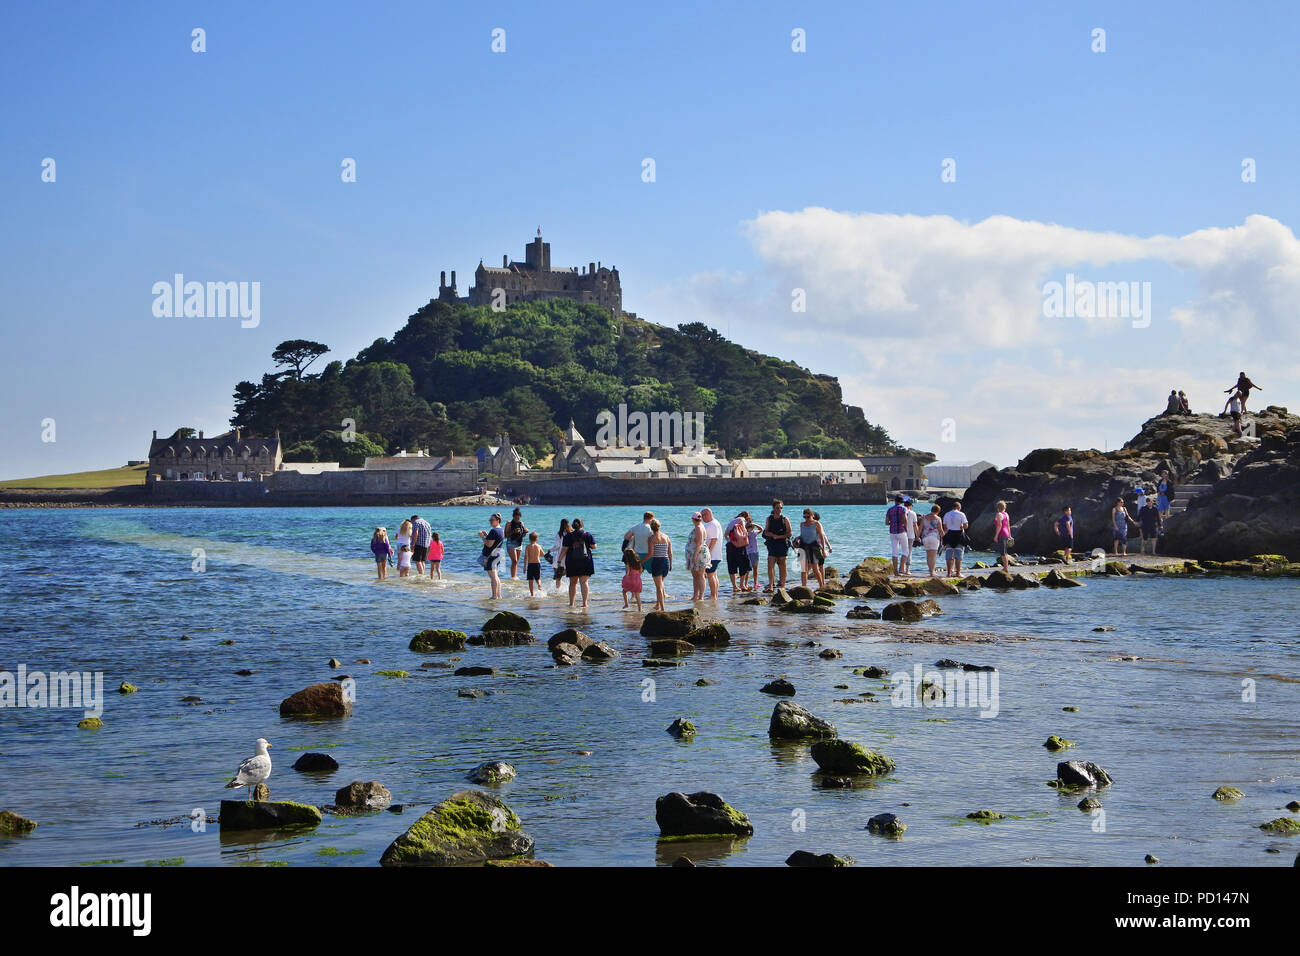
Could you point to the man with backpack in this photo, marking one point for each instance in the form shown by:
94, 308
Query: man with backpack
776, 535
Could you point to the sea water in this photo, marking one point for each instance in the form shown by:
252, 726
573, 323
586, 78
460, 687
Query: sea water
1198, 685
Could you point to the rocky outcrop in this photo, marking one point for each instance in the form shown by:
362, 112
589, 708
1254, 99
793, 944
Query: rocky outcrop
1252, 507
468, 827
314, 762
318, 700
492, 773
792, 722
699, 814
502, 638
507, 621
265, 815
714, 634
806, 858
844, 756
11, 824
359, 796
439, 639
572, 636
669, 623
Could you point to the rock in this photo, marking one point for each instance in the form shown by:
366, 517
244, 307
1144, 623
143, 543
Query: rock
669, 623
261, 792
439, 639
493, 773
362, 660
1077, 773
714, 634
660, 662
800, 593
831, 591
473, 692
886, 824
1057, 743
1293, 806
569, 635
1024, 581
704, 682
781, 597
245, 672
970, 584
1088, 804
873, 673
312, 762
949, 663
830, 654
90, 723
807, 607
701, 814
757, 602
683, 861
502, 638
599, 652
513, 863
984, 816
843, 756
436, 665
468, 827
863, 613
1000, 580
938, 586
1103, 628
394, 673
267, 815
804, 858
868, 573
507, 621
1287, 826
474, 670
1151, 859
1055, 579
1228, 793
909, 612
1117, 569
880, 591
335, 662
681, 727
566, 655
670, 647
369, 796
835, 783
11, 824
781, 687
1070, 708
126, 687
793, 722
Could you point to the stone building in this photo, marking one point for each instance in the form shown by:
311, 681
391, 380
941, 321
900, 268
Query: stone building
904, 472
534, 280
227, 457
830, 470
501, 459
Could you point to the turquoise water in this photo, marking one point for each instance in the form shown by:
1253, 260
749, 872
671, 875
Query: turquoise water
113, 591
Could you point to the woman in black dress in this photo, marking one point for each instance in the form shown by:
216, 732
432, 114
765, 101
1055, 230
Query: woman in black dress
576, 556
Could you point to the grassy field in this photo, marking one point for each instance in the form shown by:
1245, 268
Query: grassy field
81, 480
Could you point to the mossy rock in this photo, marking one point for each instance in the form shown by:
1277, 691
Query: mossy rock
822, 601
439, 639
880, 591
1088, 804
126, 687
985, 816
807, 607
800, 593
90, 723
681, 727
11, 824
671, 647
701, 814
492, 774
844, 756
468, 827
1116, 568
502, 639
873, 673
392, 673
267, 815
886, 824
939, 587
713, 634
1057, 743
805, 858
1287, 826
669, 623
507, 621
790, 721
1228, 793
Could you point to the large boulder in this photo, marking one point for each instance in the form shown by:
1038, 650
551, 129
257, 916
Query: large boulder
869, 572
713, 634
599, 652
701, 814
909, 612
468, 827
1078, 773
439, 639
671, 647
669, 623
569, 635
493, 773
844, 756
318, 700
363, 796
11, 824
793, 722
267, 815
315, 762
507, 621
502, 638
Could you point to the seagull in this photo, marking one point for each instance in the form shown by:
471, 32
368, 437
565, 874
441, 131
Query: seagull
254, 770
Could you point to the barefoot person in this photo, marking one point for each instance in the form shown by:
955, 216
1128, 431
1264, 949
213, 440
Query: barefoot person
1065, 531
954, 536
812, 538
490, 559
435, 557
896, 524
1150, 525
713, 535
515, 532
910, 516
421, 534
382, 551
631, 578
1119, 519
1002, 535
533, 564
737, 537
931, 535
776, 534
557, 551
579, 565
661, 562
697, 556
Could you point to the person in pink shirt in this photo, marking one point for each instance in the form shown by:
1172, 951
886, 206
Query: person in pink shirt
435, 557
1002, 535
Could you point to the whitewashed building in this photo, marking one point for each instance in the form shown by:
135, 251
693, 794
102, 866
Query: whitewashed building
955, 474
838, 470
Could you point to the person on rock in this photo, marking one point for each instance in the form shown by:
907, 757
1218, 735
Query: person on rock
1120, 519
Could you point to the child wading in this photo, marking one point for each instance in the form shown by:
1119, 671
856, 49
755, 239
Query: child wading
404, 562
382, 551
631, 578
435, 557
533, 562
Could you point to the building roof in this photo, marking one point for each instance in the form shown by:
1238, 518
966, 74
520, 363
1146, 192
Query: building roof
218, 445
573, 436
420, 463
624, 467
958, 464
801, 464
698, 461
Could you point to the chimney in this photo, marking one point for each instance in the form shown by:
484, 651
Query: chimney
505, 261
442, 281
277, 434
200, 434
453, 278
591, 267
155, 434
238, 431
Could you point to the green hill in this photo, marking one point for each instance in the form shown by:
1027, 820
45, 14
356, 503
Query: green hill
83, 480
454, 377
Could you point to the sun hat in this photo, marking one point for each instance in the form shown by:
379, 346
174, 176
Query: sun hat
697, 517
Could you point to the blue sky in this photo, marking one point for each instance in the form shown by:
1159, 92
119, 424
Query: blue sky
775, 170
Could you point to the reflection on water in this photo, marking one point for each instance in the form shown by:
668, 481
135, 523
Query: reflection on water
1161, 702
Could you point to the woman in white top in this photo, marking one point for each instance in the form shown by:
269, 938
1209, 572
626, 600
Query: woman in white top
557, 551
403, 535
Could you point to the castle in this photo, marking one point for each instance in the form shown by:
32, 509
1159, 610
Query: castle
533, 280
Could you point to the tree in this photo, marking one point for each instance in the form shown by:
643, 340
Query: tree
298, 353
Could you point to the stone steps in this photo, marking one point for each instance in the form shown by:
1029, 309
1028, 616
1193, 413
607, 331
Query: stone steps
1184, 494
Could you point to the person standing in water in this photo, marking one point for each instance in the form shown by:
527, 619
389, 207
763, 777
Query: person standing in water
910, 516
382, 551
661, 562
421, 534
931, 536
1002, 535
777, 533
896, 524
557, 551
533, 563
1120, 518
579, 564
490, 560
815, 548
514, 532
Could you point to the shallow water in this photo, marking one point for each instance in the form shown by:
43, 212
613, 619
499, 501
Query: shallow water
113, 591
